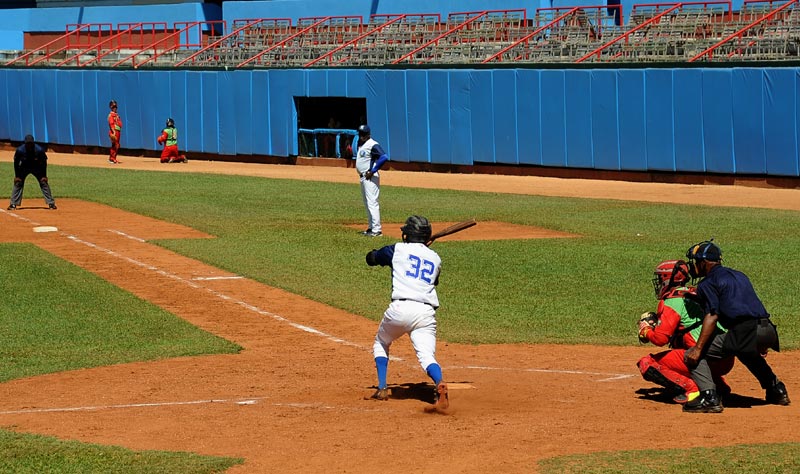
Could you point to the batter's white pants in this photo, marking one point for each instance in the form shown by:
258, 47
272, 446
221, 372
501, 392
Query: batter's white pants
418, 320
370, 191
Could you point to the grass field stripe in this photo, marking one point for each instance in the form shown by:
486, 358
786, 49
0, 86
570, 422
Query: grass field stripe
128, 236
611, 376
129, 405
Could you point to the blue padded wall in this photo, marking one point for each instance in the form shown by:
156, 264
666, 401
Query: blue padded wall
732, 121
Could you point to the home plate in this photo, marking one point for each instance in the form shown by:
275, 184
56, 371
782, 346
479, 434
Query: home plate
45, 228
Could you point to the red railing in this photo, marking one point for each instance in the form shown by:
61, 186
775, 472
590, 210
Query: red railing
391, 19
525, 39
245, 24
471, 17
125, 32
311, 25
181, 38
740, 32
73, 38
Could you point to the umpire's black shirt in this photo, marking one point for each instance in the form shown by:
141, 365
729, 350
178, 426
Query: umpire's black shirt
729, 294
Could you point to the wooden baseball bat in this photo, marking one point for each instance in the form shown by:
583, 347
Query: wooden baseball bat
452, 230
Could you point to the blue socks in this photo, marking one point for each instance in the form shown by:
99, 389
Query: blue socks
382, 364
435, 373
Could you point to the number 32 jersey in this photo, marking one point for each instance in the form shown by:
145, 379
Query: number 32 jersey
415, 271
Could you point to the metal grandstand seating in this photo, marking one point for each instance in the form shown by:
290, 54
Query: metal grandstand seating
464, 30
244, 41
561, 34
371, 46
665, 32
773, 33
168, 49
129, 37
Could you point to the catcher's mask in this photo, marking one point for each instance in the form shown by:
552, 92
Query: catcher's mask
112, 104
416, 229
706, 250
170, 122
668, 275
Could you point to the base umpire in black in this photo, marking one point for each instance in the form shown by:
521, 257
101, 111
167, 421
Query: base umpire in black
30, 158
728, 297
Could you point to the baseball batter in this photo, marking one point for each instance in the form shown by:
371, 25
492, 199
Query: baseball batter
415, 274
369, 159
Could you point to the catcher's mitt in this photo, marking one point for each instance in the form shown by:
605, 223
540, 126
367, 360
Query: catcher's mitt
647, 322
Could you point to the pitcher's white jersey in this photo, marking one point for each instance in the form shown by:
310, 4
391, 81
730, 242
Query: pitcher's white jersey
367, 153
415, 271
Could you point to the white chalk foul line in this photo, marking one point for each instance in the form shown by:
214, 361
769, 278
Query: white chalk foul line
609, 376
235, 277
128, 236
239, 401
291, 323
243, 401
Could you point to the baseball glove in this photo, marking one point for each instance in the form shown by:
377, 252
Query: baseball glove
647, 322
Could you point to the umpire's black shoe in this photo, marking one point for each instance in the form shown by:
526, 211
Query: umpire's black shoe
777, 394
707, 402
53, 206
12, 207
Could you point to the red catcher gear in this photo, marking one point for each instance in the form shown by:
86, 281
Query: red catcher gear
670, 274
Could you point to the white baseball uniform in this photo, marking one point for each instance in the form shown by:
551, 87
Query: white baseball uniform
415, 273
366, 155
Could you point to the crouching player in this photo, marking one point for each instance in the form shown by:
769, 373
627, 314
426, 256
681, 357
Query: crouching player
676, 323
169, 138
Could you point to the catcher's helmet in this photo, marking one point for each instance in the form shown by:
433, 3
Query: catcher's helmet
416, 229
112, 104
668, 275
364, 130
170, 122
706, 250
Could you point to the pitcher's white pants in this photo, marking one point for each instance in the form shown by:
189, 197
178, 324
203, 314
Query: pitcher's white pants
371, 190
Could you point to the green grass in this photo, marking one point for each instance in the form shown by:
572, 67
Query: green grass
32, 454
761, 459
62, 318
292, 235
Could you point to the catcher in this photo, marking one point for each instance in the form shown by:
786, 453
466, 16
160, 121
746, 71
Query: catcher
169, 138
677, 322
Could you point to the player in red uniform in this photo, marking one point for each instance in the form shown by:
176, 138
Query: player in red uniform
114, 132
169, 138
678, 321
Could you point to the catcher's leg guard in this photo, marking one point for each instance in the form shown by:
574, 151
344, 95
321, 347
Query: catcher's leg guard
674, 382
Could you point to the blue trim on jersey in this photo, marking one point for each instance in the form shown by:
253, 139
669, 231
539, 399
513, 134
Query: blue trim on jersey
382, 364
377, 165
384, 256
376, 152
434, 372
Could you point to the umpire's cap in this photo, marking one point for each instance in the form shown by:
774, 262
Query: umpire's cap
706, 250
363, 130
29, 138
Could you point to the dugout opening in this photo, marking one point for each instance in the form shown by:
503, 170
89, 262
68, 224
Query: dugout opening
327, 125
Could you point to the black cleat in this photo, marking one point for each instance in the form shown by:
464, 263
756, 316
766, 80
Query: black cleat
777, 395
53, 206
12, 207
707, 402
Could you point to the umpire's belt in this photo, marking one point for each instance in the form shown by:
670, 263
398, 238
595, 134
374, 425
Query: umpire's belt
423, 302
